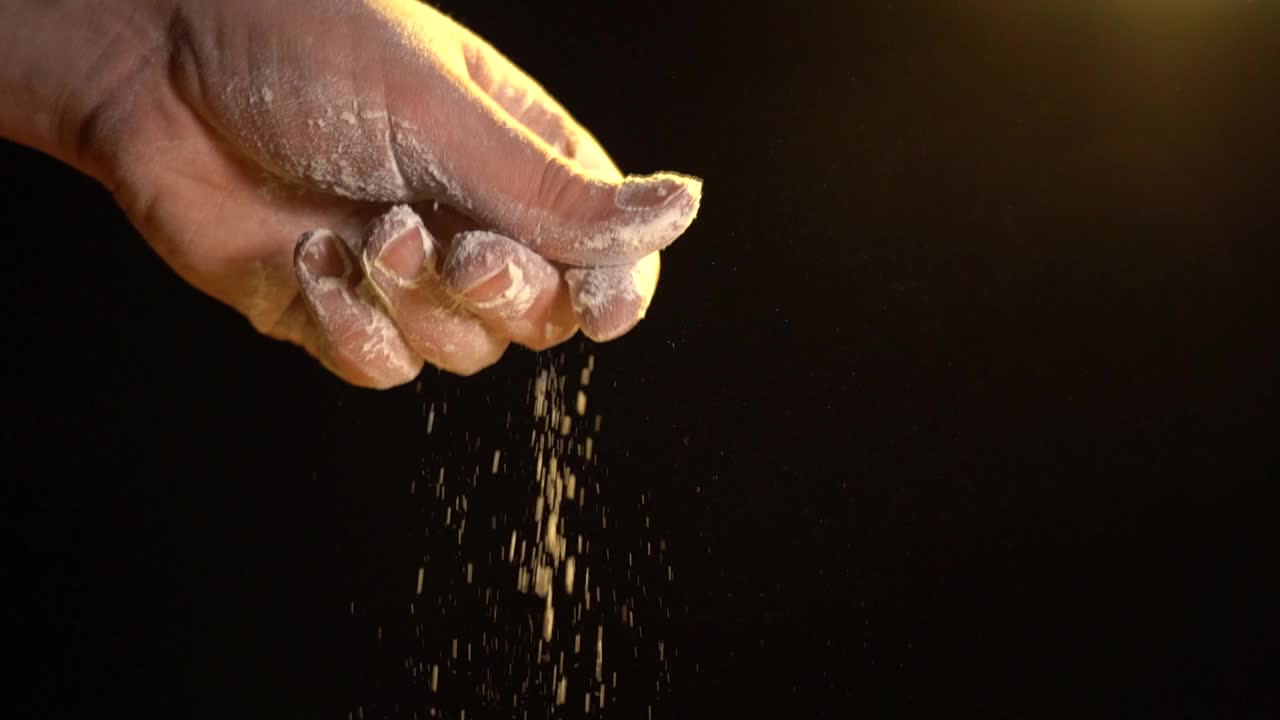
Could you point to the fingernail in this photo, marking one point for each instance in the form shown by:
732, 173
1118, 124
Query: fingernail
497, 275
477, 267
320, 257
494, 286
605, 301
646, 192
401, 247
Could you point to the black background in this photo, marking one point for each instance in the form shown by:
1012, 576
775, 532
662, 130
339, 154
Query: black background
954, 401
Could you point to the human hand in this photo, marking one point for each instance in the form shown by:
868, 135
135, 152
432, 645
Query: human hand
447, 205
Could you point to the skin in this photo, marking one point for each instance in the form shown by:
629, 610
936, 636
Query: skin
364, 178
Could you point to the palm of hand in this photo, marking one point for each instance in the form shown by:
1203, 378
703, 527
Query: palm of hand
240, 138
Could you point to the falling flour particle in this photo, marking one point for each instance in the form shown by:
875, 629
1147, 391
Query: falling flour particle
548, 620
600, 653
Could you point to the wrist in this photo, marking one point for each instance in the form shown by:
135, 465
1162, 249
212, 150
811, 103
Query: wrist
61, 64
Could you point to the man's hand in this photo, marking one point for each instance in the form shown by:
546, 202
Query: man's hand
446, 204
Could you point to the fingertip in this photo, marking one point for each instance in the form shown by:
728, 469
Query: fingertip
608, 302
354, 338
320, 255
513, 289
600, 223
657, 209
496, 276
468, 364
554, 325
398, 248
647, 192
